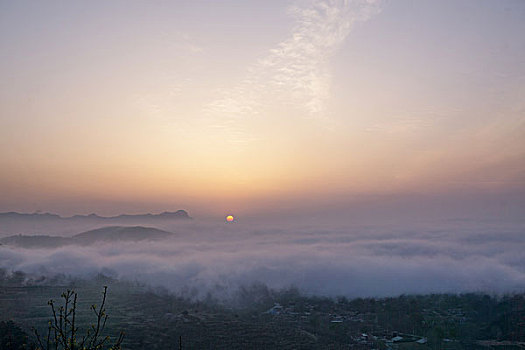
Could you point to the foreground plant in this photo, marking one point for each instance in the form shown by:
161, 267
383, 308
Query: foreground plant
63, 333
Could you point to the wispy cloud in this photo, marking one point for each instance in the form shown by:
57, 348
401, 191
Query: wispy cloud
295, 73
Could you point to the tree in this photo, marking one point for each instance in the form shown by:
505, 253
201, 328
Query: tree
13, 337
63, 333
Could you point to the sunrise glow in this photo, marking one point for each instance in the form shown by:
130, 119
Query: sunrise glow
305, 101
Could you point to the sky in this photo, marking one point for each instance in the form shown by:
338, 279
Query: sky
259, 106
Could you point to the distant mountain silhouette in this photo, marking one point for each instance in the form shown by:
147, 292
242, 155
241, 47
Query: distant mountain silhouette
37, 216
14, 223
104, 234
179, 214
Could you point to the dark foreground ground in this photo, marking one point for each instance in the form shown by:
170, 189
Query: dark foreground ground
258, 318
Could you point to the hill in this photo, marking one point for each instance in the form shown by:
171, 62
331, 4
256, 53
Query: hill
119, 233
13, 223
104, 234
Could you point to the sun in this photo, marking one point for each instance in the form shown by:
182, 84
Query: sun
230, 218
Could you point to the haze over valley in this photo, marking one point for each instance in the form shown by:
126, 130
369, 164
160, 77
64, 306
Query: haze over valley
352, 259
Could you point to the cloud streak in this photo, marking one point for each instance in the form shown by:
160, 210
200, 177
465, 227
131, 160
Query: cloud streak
296, 73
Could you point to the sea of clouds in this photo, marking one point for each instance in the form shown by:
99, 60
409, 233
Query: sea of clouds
329, 260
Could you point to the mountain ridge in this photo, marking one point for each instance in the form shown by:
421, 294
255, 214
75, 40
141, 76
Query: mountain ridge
179, 214
13, 223
103, 234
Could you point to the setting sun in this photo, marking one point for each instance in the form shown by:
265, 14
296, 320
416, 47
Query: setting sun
229, 218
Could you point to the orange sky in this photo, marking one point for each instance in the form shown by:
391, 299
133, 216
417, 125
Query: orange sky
106, 107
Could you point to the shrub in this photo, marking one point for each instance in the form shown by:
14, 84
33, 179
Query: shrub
63, 333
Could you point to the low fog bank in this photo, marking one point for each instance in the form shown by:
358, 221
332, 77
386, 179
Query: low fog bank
327, 260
